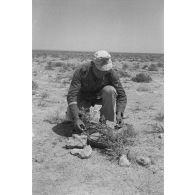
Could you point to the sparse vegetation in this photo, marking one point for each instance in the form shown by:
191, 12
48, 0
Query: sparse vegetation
115, 141
125, 67
142, 78
56, 117
160, 117
44, 95
143, 88
34, 85
41, 103
153, 67
124, 74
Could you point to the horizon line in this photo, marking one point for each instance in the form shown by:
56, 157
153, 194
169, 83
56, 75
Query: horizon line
94, 51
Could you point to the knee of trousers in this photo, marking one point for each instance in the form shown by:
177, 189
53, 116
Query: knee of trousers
108, 89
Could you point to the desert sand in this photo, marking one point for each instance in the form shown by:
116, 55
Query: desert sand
55, 170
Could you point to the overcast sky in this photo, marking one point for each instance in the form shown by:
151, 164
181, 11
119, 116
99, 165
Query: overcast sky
90, 25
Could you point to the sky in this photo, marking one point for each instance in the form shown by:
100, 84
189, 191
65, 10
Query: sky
135, 26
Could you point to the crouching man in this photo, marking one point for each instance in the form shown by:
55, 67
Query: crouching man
96, 83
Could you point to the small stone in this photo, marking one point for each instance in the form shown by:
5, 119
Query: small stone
131, 155
95, 136
144, 161
82, 153
160, 136
110, 124
76, 141
123, 161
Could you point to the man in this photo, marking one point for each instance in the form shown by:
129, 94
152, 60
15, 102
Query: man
96, 83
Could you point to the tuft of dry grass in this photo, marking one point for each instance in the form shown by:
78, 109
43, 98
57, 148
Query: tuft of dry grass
42, 103
124, 74
153, 67
142, 78
160, 117
56, 117
35, 86
44, 95
143, 88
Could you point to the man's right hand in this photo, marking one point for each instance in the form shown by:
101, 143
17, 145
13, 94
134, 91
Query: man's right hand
79, 125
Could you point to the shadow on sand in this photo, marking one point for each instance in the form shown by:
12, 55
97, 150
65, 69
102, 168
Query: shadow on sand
64, 128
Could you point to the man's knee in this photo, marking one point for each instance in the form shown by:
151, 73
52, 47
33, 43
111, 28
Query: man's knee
108, 89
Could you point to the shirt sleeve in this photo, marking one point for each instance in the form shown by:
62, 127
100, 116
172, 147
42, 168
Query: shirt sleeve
121, 99
74, 88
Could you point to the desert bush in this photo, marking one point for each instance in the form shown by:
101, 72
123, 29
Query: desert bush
35, 73
34, 85
143, 88
123, 73
41, 103
49, 66
115, 141
56, 117
158, 128
44, 95
136, 66
125, 67
153, 67
160, 64
160, 116
142, 77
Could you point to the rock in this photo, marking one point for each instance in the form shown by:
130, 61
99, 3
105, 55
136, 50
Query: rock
110, 124
76, 141
123, 161
95, 136
82, 153
131, 155
144, 161
160, 136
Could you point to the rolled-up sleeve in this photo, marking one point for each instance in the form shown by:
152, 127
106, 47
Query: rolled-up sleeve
121, 99
74, 88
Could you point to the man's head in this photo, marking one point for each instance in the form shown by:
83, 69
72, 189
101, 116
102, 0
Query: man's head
103, 63
102, 60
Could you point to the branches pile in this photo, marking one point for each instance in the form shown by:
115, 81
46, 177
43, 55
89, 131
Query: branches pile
114, 141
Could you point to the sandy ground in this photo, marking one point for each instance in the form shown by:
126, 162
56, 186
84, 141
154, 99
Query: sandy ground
56, 171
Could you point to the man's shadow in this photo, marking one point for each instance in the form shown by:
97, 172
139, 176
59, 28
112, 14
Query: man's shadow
64, 129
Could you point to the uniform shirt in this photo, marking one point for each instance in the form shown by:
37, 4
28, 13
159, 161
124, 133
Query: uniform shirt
85, 84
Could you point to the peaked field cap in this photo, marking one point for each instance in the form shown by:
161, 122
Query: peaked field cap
103, 60
102, 54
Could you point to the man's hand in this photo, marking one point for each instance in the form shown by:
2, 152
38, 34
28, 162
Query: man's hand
119, 119
79, 125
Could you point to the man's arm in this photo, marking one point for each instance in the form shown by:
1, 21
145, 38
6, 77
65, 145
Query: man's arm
121, 99
73, 93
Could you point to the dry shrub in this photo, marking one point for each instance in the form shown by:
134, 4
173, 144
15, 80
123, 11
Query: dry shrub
44, 95
153, 67
114, 140
160, 64
123, 73
34, 85
125, 67
158, 128
56, 117
42, 103
142, 78
160, 117
143, 88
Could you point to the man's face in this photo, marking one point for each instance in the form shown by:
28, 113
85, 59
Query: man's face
98, 73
